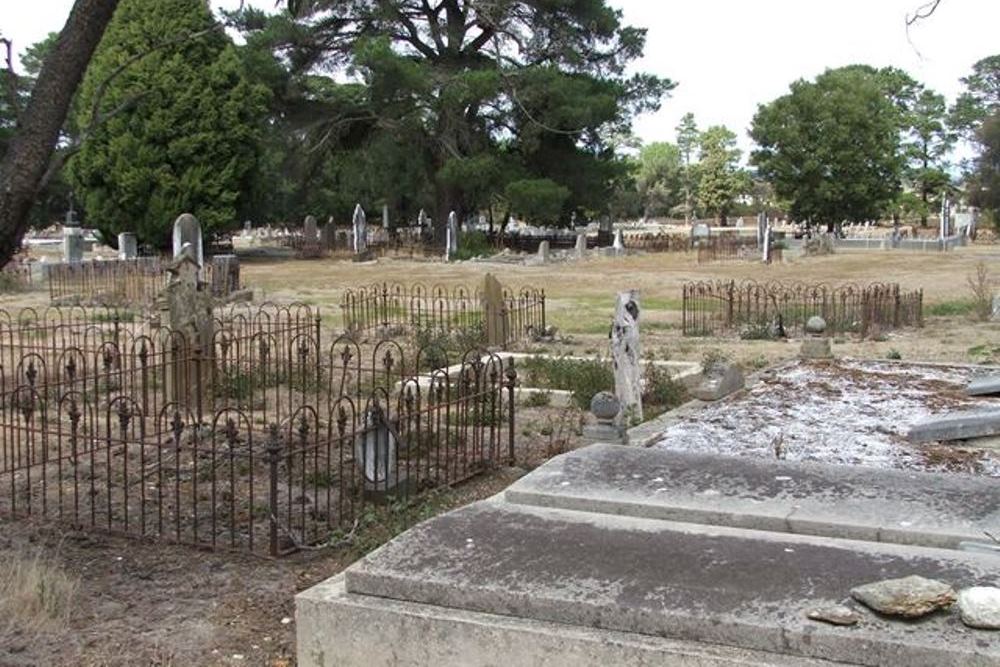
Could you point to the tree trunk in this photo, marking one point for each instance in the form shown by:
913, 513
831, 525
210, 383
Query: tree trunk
35, 139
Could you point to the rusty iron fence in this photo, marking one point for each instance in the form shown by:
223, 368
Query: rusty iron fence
733, 248
658, 242
712, 308
416, 308
270, 440
120, 282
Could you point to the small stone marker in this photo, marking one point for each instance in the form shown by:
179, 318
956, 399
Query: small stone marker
452, 234
494, 311
225, 275
815, 345
385, 216
309, 230
581, 245
72, 238
375, 448
701, 232
360, 224
909, 597
619, 244
720, 380
128, 246
543, 251
625, 355
605, 408
187, 230
980, 607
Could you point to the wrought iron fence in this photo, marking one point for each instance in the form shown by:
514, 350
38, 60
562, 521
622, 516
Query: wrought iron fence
658, 242
267, 441
729, 248
440, 309
712, 308
121, 282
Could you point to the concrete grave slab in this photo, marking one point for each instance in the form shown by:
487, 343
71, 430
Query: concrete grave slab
750, 590
956, 426
854, 502
984, 386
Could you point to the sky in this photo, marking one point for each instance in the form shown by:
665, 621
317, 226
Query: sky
729, 56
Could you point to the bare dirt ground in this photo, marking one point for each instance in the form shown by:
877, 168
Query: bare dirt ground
109, 601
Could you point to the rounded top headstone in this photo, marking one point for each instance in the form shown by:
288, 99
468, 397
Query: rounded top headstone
815, 325
605, 405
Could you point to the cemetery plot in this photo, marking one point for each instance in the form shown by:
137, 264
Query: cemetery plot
266, 440
767, 310
505, 316
845, 412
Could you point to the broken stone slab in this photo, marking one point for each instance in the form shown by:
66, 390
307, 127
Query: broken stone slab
835, 615
988, 385
670, 580
910, 597
977, 423
980, 607
720, 381
852, 502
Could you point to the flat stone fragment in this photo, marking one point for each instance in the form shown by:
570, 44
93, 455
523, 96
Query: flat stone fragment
719, 382
980, 607
835, 615
909, 597
984, 386
956, 426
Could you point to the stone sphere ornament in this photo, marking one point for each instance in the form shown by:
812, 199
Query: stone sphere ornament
604, 405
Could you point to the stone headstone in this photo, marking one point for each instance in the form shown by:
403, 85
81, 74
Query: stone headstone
128, 246
701, 231
385, 216
761, 226
309, 231
625, 354
452, 233
543, 251
327, 234
945, 218
581, 245
186, 307
375, 448
72, 244
187, 230
619, 243
360, 224
423, 222
719, 381
766, 246
494, 311
225, 275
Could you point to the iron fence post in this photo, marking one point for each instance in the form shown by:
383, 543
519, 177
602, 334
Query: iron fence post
511, 375
273, 456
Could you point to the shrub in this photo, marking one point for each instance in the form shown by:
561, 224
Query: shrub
583, 378
982, 292
893, 354
661, 389
473, 244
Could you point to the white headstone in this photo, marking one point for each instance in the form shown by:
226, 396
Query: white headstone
385, 216
187, 229
375, 448
543, 251
360, 231
626, 353
128, 246
581, 245
422, 221
761, 226
452, 233
447, 244
766, 246
619, 243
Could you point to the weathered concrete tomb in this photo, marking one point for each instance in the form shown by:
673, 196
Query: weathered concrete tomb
614, 555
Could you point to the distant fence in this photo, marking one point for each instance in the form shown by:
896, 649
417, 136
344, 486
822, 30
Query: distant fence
267, 441
732, 248
120, 281
440, 309
711, 308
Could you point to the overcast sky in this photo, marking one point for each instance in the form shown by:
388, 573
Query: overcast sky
728, 56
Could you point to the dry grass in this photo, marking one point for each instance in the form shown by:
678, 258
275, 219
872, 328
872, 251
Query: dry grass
36, 593
981, 285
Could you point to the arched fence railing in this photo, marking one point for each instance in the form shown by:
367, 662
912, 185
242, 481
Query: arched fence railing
712, 308
272, 439
441, 309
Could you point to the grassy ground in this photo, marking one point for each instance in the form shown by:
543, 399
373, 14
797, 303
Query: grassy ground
72, 598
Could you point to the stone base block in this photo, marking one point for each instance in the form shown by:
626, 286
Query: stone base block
595, 433
335, 628
816, 348
394, 488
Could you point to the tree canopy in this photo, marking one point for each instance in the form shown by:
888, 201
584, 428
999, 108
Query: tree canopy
186, 136
831, 146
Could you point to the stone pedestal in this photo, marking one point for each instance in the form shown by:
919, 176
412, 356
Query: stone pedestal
186, 308
72, 244
225, 275
816, 348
